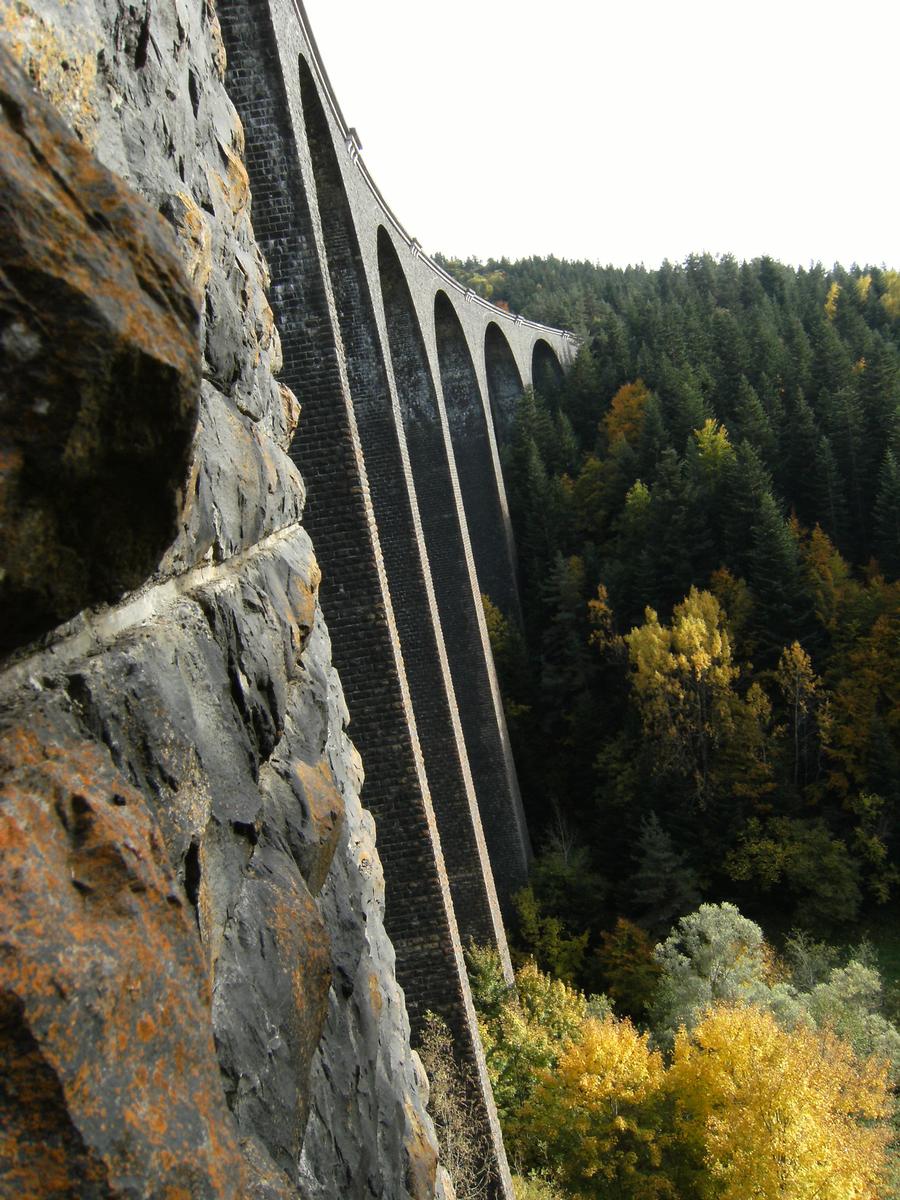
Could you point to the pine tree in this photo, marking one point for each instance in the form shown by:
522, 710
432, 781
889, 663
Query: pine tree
798, 368
566, 444
634, 570
751, 422
582, 389
828, 491
679, 531
800, 445
747, 483
886, 517
832, 367
663, 887
690, 408
654, 437
879, 390
842, 419
782, 607
732, 360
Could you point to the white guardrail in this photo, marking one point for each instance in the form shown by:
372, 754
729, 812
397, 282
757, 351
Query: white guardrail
352, 142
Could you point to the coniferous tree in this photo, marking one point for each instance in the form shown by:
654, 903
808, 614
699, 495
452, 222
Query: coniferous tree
654, 437
751, 422
796, 480
582, 388
663, 887
747, 484
886, 517
829, 494
679, 529
782, 606
842, 420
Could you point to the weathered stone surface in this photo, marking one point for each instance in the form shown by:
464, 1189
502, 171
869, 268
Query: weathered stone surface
368, 1132
143, 85
111, 1084
100, 373
60, 59
210, 698
196, 705
218, 707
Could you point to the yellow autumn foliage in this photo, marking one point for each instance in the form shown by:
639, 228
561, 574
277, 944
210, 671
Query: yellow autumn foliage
831, 300
713, 445
593, 1116
531, 1027
778, 1115
625, 418
746, 1110
890, 298
683, 677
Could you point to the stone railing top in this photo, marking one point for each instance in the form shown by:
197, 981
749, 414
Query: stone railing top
354, 146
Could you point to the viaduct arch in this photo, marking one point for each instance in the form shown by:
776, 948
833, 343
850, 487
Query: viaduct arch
407, 382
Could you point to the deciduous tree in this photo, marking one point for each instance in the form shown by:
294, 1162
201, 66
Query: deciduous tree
778, 1115
594, 1118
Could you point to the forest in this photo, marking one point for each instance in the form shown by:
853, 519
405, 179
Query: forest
703, 694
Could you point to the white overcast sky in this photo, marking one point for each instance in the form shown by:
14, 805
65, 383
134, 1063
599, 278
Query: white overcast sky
628, 131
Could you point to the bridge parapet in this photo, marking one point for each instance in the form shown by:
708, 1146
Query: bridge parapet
351, 139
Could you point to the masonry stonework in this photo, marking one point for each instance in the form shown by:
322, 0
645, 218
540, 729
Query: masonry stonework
397, 369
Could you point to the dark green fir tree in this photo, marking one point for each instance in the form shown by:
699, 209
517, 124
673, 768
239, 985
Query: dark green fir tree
664, 886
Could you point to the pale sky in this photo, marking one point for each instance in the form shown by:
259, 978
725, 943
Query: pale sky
629, 131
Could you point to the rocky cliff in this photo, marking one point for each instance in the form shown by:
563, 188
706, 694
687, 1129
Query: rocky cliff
197, 995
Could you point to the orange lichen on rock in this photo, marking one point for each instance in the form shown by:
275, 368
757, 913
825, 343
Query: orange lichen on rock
375, 994
421, 1158
101, 986
61, 65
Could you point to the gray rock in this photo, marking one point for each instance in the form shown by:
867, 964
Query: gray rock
99, 379
368, 1132
209, 696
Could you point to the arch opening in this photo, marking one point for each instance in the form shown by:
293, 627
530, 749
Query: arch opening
480, 482
412, 375
443, 526
505, 386
431, 445
346, 270
546, 369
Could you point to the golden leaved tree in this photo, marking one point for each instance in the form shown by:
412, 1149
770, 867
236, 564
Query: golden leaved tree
807, 709
525, 1033
593, 1118
777, 1115
747, 1110
683, 679
625, 417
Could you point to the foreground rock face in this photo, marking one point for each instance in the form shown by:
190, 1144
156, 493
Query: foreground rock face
196, 991
104, 990
98, 330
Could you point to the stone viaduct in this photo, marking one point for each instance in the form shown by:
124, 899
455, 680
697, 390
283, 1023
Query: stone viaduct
406, 381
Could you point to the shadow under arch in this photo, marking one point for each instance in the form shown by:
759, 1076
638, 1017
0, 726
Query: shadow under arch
444, 525
456, 811
484, 500
505, 385
546, 370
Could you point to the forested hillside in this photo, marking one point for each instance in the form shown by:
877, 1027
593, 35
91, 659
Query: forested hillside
704, 700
